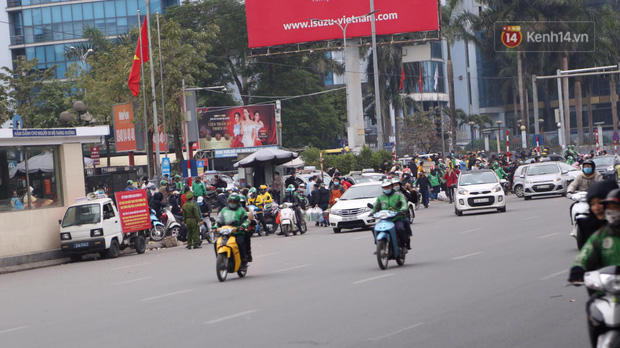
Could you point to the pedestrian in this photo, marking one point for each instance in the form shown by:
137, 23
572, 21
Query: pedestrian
191, 219
292, 180
16, 203
199, 188
178, 183
451, 178
336, 191
435, 183
276, 187
425, 185
184, 196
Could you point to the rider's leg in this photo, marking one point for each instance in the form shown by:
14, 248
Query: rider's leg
242, 248
401, 232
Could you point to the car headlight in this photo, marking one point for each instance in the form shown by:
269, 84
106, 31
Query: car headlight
611, 282
463, 192
335, 211
610, 168
496, 188
557, 180
97, 232
65, 236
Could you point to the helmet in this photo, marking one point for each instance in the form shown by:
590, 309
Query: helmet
302, 186
395, 182
200, 200
263, 187
129, 182
600, 189
291, 186
242, 198
234, 198
235, 189
590, 162
387, 183
177, 176
613, 197
163, 182
252, 190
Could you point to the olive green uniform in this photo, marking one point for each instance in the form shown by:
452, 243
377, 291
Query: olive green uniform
191, 216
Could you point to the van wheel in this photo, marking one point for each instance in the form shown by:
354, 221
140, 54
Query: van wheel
114, 249
140, 244
75, 257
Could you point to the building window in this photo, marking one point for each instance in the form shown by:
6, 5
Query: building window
29, 178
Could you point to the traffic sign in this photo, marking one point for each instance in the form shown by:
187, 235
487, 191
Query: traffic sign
165, 166
94, 154
540, 138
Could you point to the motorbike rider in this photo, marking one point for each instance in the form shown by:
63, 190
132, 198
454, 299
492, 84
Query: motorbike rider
596, 218
390, 200
222, 198
240, 221
398, 189
587, 177
290, 197
259, 199
499, 170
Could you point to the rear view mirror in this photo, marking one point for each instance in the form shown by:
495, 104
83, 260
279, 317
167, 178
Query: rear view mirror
59, 222
369, 205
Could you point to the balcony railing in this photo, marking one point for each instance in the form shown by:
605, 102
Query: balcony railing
13, 3
17, 40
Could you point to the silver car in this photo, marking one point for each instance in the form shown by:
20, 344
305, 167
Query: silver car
519, 177
543, 179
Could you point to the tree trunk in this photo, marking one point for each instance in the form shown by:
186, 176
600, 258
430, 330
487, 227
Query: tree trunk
579, 111
452, 97
515, 111
521, 77
178, 147
566, 101
590, 114
614, 103
107, 148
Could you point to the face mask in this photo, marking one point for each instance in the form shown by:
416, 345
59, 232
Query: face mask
387, 192
587, 170
336, 183
612, 217
232, 205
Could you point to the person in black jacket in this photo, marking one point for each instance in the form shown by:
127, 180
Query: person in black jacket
292, 180
596, 218
425, 184
320, 198
157, 205
219, 182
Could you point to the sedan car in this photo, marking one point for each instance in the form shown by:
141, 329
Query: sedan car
479, 190
606, 165
543, 179
351, 210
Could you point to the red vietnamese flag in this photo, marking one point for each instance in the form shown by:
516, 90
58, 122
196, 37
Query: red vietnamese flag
402, 79
421, 80
141, 56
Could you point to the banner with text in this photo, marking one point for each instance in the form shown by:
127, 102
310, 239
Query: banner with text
124, 128
134, 211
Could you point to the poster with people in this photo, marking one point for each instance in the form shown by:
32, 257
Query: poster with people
237, 128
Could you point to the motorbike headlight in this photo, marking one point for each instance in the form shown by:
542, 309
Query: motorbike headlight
496, 188
97, 232
611, 282
65, 236
226, 231
463, 192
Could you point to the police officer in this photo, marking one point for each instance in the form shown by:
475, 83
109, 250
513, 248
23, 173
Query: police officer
191, 218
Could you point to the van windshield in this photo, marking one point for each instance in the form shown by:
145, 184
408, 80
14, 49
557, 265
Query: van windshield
82, 214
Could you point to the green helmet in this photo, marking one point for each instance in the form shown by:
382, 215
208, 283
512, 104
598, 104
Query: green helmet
291, 186
129, 182
163, 182
387, 183
241, 198
252, 190
177, 176
233, 197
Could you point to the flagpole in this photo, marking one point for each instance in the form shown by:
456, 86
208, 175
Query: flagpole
146, 125
155, 123
161, 82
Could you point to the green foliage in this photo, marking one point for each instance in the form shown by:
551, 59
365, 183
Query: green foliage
347, 162
418, 133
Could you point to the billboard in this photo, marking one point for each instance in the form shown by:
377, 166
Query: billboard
281, 22
237, 128
124, 128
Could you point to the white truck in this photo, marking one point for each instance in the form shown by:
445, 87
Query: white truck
93, 225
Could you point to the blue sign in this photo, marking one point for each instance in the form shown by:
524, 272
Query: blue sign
165, 166
59, 132
388, 145
616, 136
18, 123
232, 152
12, 164
541, 140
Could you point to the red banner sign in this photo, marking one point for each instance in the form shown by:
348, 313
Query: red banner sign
280, 22
237, 127
134, 211
124, 128
94, 154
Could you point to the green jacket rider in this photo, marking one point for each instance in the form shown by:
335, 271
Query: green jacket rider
235, 215
499, 171
393, 201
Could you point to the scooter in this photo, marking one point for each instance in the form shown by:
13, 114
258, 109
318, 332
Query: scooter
505, 185
603, 308
172, 226
158, 230
258, 227
386, 239
228, 255
288, 220
270, 212
578, 210
206, 232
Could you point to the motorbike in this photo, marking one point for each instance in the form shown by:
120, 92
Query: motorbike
228, 255
206, 232
171, 225
270, 212
288, 220
158, 229
386, 239
578, 210
258, 227
603, 308
505, 185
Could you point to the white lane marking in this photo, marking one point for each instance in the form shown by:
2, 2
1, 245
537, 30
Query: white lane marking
13, 329
289, 269
166, 295
530, 218
554, 275
136, 265
468, 255
231, 317
548, 235
265, 255
371, 279
364, 236
396, 332
132, 280
474, 230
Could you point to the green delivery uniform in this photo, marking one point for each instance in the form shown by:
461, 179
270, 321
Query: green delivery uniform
394, 202
601, 250
191, 216
500, 172
237, 217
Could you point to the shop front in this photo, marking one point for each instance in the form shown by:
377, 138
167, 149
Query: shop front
41, 173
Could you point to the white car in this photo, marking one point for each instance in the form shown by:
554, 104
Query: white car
351, 210
479, 190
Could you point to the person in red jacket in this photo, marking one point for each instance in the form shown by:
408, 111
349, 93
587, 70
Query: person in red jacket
451, 177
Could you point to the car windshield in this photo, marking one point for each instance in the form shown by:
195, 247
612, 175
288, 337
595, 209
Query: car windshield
361, 192
543, 170
82, 214
479, 178
601, 162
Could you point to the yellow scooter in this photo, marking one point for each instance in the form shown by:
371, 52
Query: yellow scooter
228, 256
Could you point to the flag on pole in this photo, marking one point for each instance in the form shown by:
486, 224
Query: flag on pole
141, 56
421, 80
402, 79
436, 76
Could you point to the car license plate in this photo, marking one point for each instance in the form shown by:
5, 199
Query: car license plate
80, 245
544, 186
349, 218
481, 200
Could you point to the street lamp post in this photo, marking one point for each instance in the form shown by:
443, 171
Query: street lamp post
499, 130
351, 133
523, 137
471, 129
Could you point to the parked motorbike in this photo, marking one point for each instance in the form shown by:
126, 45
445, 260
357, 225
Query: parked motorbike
578, 210
386, 239
228, 256
271, 212
258, 227
603, 308
172, 226
288, 220
206, 232
158, 229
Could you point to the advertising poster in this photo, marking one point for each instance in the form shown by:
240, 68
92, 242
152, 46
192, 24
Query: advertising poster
237, 128
133, 209
124, 128
280, 22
